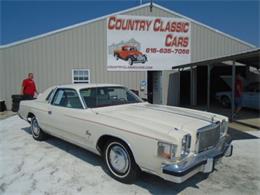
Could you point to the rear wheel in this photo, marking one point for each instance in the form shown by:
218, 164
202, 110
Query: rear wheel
120, 161
116, 56
37, 132
130, 61
145, 59
225, 102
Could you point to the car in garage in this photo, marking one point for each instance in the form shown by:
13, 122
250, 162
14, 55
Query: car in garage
250, 97
131, 135
130, 54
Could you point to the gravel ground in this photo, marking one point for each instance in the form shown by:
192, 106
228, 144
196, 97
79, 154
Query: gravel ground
56, 167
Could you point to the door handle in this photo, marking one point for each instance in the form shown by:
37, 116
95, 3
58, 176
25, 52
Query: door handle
49, 112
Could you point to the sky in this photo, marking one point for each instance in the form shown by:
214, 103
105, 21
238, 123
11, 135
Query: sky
20, 19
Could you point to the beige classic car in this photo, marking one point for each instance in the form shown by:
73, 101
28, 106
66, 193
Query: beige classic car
131, 135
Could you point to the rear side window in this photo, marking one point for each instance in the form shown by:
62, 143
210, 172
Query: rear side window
67, 98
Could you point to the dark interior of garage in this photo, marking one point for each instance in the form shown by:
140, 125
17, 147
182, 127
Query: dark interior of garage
217, 83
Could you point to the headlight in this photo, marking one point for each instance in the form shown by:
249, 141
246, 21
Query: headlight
223, 127
185, 145
166, 150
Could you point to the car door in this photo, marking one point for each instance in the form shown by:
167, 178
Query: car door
64, 111
42, 113
251, 96
255, 96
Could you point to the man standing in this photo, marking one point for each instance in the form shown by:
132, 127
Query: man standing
29, 87
238, 93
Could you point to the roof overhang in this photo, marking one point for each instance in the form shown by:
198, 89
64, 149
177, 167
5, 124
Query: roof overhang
248, 58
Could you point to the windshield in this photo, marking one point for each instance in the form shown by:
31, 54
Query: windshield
132, 49
108, 96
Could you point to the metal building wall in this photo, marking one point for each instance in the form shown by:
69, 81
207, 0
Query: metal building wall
1, 75
51, 58
205, 42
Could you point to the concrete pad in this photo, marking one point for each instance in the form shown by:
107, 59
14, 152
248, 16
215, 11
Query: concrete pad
246, 117
57, 167
6, 114
251, 122
241, 127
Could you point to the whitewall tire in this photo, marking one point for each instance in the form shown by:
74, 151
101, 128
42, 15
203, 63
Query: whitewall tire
37, 132
120, 162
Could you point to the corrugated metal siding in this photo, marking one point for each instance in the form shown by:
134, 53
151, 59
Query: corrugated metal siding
52, 58
206, 43
2, 71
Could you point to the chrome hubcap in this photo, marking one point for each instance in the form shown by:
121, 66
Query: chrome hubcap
35, 128
119, 159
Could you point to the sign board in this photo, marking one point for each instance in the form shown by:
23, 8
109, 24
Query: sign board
147, 43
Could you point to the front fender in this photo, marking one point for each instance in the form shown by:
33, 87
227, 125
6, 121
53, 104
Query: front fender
144, 149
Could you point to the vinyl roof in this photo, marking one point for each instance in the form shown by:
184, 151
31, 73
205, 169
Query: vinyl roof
122, 12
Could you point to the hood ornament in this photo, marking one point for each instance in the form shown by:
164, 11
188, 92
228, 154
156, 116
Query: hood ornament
212, 118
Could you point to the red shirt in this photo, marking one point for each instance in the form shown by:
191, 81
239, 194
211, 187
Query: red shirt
29, 87
238, 88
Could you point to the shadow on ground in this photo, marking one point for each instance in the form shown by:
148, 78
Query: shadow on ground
240, 135
152, 183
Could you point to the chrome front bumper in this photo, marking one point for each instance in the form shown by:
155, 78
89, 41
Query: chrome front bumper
202, 162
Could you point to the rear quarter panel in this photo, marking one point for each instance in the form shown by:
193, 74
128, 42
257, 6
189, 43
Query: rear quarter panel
38, 108
23, 110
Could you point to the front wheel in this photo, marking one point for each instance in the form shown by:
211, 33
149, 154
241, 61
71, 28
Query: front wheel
225, 102
116, 56
37, 132
120, 162
145, 59
130, 61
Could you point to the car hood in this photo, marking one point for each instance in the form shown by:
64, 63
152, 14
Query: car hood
159, 120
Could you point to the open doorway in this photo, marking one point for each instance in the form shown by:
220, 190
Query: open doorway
185, 88
154, 88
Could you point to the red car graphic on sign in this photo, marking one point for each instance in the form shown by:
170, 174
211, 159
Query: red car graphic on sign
130, 54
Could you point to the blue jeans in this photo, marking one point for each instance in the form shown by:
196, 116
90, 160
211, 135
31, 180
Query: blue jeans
238, 102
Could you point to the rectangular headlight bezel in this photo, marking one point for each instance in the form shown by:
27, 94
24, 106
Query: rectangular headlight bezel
166, 150
185, 145
223, 127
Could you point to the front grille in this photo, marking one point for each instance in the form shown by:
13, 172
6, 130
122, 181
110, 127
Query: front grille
208, 137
